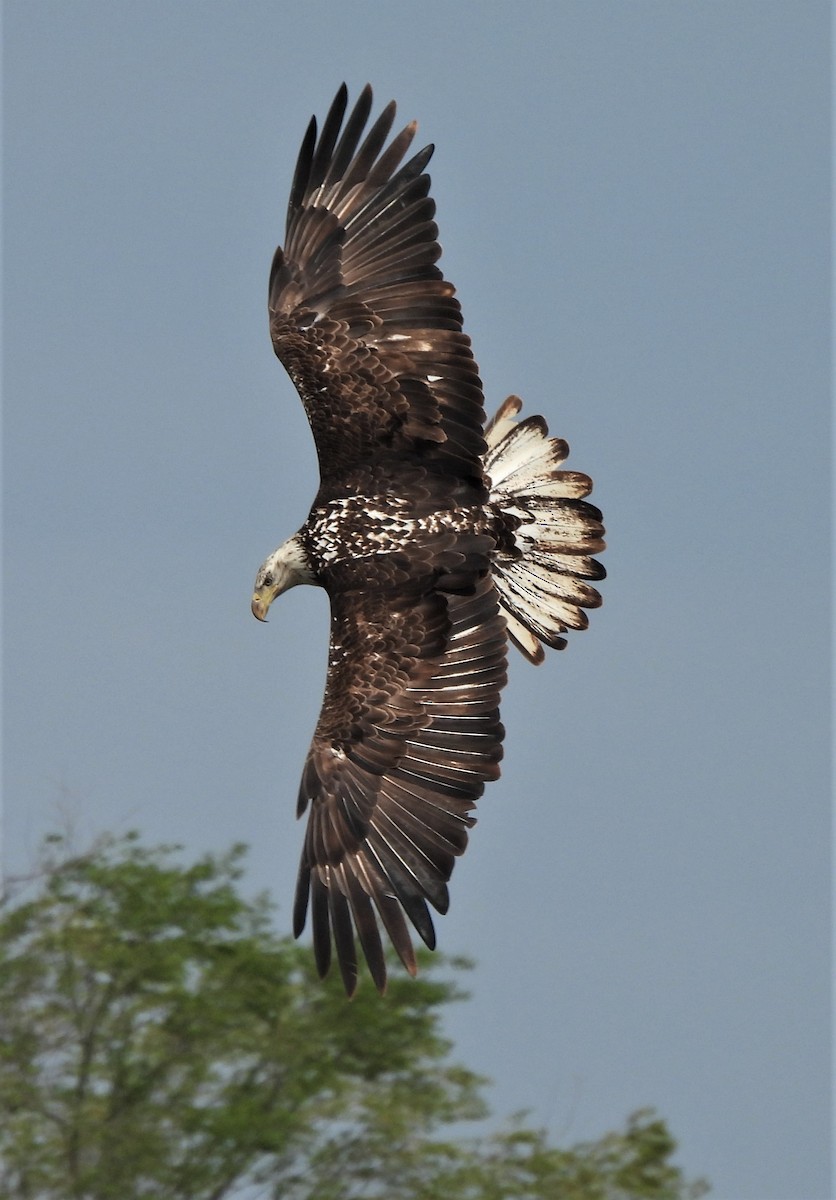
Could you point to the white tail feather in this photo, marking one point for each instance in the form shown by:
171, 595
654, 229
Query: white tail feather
542, 576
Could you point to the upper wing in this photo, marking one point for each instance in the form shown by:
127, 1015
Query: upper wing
409, 734
360, 315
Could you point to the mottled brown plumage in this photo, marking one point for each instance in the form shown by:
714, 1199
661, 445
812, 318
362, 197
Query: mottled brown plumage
361, 315
433, 536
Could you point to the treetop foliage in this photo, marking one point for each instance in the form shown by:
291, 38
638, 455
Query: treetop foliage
159, 1039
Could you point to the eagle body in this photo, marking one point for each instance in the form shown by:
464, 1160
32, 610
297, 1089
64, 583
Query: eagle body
437, 537
340, 535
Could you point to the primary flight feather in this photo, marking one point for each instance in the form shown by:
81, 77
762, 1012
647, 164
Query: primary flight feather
435, 537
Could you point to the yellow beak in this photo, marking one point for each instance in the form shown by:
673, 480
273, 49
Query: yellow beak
261, 603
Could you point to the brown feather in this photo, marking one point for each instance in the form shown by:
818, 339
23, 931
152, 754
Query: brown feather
360, 231
390, 802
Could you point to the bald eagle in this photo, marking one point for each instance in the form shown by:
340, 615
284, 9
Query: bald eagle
436, 537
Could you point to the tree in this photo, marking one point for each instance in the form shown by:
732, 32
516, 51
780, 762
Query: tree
159, 1039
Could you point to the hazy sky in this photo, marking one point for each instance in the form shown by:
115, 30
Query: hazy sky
633, 201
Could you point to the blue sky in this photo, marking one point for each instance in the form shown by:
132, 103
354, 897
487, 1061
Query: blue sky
634, 206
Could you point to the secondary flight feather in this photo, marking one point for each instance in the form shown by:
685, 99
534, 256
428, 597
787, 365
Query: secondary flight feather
437, 538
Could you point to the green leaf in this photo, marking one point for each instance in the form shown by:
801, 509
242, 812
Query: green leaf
159, 1039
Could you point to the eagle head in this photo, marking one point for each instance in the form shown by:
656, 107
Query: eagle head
283, 569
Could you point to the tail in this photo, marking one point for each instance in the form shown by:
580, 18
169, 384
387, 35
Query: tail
543, 568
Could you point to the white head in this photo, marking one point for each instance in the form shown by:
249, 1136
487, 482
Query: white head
284, 568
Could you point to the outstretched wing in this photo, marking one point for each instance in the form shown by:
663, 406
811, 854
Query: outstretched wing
360, 315
409, 734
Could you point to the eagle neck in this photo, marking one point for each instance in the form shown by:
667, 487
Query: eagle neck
293, 559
